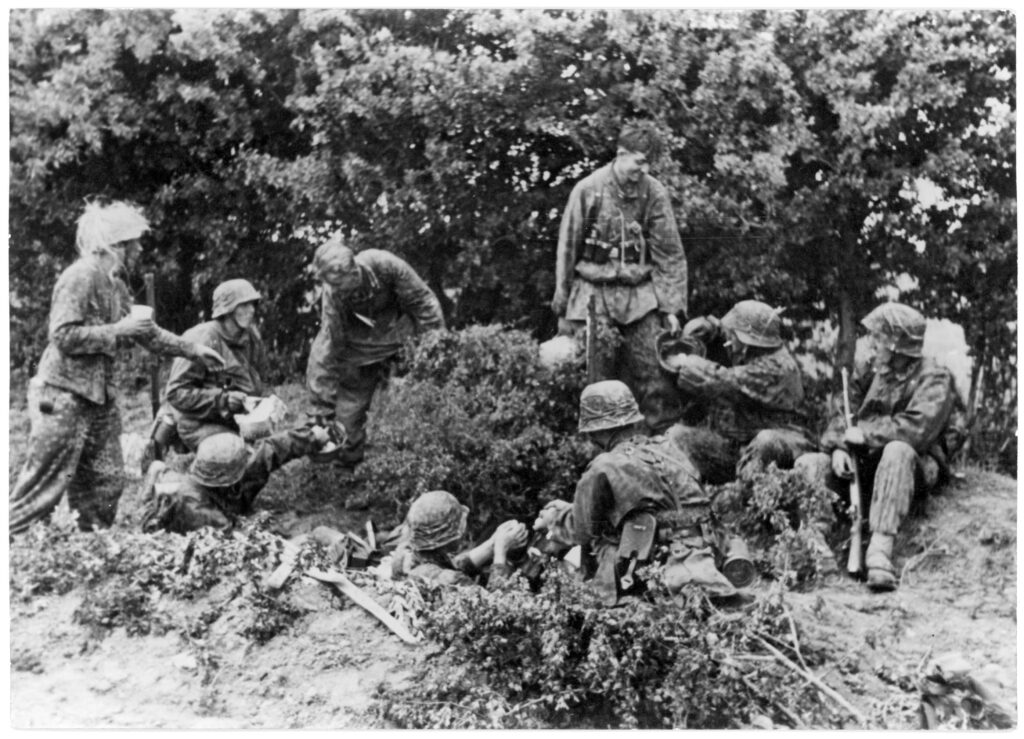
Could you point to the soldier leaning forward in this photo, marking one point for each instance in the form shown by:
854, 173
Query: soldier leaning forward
223, 480
753, 405
636, 485
75, 445
205, 402
619, 244
432, 552
906, 427
372, 302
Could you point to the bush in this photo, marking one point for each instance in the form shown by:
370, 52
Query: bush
556, 659
477, 415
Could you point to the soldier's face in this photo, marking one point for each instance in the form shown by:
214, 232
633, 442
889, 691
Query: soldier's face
880, 348
631, 164
343, 281
127, 252
244, 314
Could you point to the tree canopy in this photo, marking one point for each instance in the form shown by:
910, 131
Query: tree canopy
820, 160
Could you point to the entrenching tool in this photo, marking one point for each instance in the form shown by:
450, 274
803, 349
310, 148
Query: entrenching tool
362, 599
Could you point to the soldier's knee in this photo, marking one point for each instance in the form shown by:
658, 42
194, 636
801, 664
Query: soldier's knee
813, 466
898, 453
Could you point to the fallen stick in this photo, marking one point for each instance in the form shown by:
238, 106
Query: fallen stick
360, 598
809, 677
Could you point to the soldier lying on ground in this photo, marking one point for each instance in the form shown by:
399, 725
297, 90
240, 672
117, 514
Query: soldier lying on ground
635, 483
753, 404
905, 431
223, 480
204, 401
435, 529
372, 302
74, 446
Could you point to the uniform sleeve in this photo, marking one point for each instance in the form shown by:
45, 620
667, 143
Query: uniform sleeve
192, 390
670, 268
323, 369
272, 453
860, 383
708, 379
415, 298
570, 237
68, 314
592, 503
921, 423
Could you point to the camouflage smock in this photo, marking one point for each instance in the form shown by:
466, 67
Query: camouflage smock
87, 300
764, 393
600, 207
197, 393
437, 569
915, 406
638, 474
371, 324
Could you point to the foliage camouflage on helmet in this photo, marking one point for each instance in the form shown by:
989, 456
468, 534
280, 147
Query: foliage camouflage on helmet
102, 226
220, 460
607, 404
905, 325
232, 293
755, 323
436, 519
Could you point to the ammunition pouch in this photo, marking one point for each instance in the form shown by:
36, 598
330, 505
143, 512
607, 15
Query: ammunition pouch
602, 252
614, 272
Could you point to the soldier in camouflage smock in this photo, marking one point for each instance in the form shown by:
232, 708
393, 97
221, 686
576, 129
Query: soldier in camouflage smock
753, 405
205, 402
619, 242
372, 302
75, 445
905, 430
429, 551
223, 480
633, 474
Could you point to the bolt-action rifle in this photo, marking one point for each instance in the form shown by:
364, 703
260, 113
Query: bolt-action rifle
591, 340
854, 563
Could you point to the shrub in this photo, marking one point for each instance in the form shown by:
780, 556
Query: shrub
556, 659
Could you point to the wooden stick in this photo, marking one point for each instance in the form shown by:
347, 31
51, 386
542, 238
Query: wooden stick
362, 599
810, 677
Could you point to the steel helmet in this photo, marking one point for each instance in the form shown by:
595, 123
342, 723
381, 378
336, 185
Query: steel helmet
902, 323
436, 519
755, 323
231, 294
102, 226
607, 404
220, 460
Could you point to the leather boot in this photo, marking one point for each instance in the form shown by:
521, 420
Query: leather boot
881, 574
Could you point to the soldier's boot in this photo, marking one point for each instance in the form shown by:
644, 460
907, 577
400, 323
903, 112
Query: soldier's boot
881, 574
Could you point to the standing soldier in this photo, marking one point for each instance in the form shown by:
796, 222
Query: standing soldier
75, 445
372, 301
753, 403
618, 242
903, 431
205, 402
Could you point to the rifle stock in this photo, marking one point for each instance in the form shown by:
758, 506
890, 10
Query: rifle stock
154, 369
591, 340
854, 563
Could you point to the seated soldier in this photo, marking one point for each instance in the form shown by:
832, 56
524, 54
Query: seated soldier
204, 401
903, 434
223, 480
753, 403
435, 528
632, 475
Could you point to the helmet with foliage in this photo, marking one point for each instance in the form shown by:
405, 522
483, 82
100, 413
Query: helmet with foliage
901, 323
220, 460
607, 404
102, 226
230, 294
436, 519
754, 323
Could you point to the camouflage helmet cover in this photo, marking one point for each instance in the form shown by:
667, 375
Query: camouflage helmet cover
755, 323
436, 519
902, 323
230, 294
607, 404
220, 460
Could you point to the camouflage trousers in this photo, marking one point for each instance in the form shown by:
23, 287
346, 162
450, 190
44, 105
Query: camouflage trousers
356, 388
628, 353
74, 449
895, 476
720, 460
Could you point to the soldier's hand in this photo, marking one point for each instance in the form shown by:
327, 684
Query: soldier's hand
559, 304
671, 322
701, 328
135, 328
208, 357
235, 401
320, 435
548, 514
842, 464
854, 436
565, 327
509, 536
